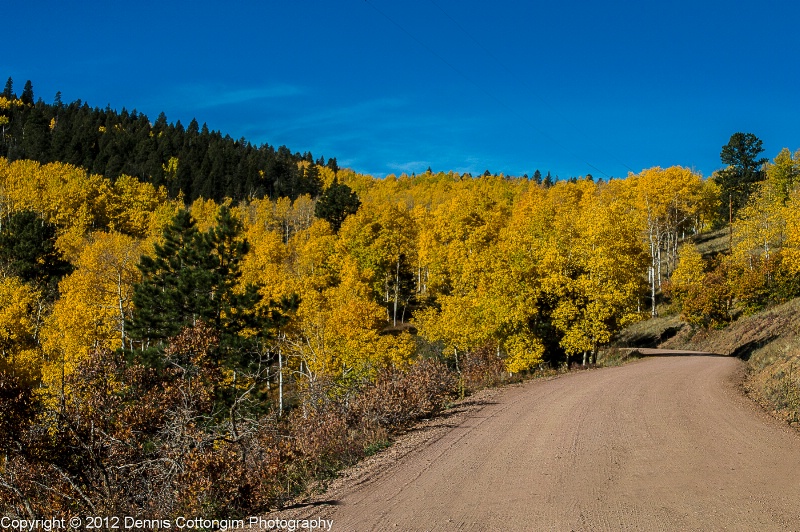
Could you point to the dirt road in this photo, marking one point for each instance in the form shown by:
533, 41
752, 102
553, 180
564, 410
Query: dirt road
665, 443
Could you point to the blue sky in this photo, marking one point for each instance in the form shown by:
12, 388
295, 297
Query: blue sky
572, 87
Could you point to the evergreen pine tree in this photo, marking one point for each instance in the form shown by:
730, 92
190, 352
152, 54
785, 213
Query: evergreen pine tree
336, 203
27, 249
193, 277
27, 93
744, 170
8, 92
333, 165
167, 298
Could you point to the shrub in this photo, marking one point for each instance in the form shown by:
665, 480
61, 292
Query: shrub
482, 368
398, 398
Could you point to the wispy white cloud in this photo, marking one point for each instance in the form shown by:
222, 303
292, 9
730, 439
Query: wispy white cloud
197, 96
334, 118
408, 167
218, 97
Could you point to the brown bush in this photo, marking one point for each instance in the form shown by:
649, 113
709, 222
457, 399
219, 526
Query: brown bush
482, 368
156, 443
16, 408
398, 398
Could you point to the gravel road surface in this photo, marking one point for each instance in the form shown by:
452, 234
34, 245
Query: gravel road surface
664, 443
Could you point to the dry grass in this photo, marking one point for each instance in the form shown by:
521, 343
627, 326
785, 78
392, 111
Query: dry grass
649, 333
713, 243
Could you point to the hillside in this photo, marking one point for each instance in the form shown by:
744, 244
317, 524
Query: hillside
272, 340
260, 343
185, 159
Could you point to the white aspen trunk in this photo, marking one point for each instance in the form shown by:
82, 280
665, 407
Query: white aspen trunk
653, 311
280, 383
659, 266
396, 292
121, 309
675, 253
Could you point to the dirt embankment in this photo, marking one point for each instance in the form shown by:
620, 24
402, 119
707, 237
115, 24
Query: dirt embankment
770, 344
667, 443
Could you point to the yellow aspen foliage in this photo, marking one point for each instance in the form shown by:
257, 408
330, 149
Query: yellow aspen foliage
456, 325
265, 264
706, 210
76, 201
283, 216
326, 175
687, 279
783, 173
312, 256
358, 183
525, 351
381, 237
62, 194
336, 331
759, 228
6, 103
792, 244
95, 301
171, 169
205, 213
591, 265
691, 268
425, 245
130, 205
488, 273
20, 313
670, 202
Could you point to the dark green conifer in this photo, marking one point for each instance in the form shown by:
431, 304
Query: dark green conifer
336, 203
193, 277
8, 92
27, 93
744, 170
27, 249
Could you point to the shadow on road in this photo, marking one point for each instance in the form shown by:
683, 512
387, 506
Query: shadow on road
647, 352
312, 504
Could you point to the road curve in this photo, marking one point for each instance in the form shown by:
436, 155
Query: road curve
665, 443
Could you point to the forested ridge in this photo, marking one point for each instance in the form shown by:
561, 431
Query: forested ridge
190, 159
168, 351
